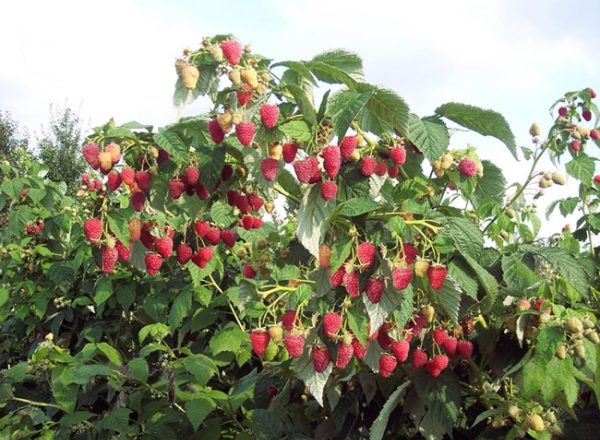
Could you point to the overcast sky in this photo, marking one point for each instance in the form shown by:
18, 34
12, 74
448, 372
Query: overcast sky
114, 58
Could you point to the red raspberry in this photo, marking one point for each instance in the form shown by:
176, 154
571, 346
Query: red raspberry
419, 358
246, 96
591, 92
332, 322
114, 181
393, 171
359, 350
440, 336
332, 160
153, 263
256, 222
467, 167
320, 358
400, 349
191, 176
248, 271
383, 338
436, 275
146, 237
347, 146
247, 222
269, 168
368, 165
289, 152
288, 319
597, 178
374, 289
226, 172
255, 201
436, 365
92, 228
464, 348
245, 132
381, 169
398, 155
269, 114
366, 253
143, 180
206, 253
216, 132
184, 253
110, 257
294, 344
163, 156
328, 190
594, 134
401, 277
242, 203
337, 278
450, 345
228, 237
562, 111
232, 49
306, 169
201, 228
198, 260
387, 365
201, 191
164, 246
123, 251
410, 253
259, 340
587, 115
90, 154
316, 177
575, 145
344, 355
176, 188
351, 284
213, 236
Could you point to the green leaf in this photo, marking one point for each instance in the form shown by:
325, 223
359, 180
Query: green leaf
582, 167
358, 324
314, 382
157, 331
339, 252
442, 400
449, 298
104, 290
312, 219
171, 143
266, 425
466, 235
116, 420
377, 430
337, 67
356, 207
229, 338
138, 369
490, 187
463, 279
198, 409
485, 122
344, 107
548, 340
296, 130
287, 272
111, 353
386, 106
201, 367
429, 134
180, 309
380, 311
516, 274
211, 162
352, 184
222, 214
288, 182
83, 373
17, 372
488, 282
304, 104
405, 310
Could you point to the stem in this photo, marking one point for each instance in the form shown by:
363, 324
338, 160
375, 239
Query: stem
34, 403
589, 234
282, 191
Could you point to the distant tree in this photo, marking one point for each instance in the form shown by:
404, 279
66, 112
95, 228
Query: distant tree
59, 146
13, 140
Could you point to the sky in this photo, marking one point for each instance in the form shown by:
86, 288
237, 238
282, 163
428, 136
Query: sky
115, 58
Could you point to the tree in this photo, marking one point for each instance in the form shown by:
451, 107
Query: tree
13, 141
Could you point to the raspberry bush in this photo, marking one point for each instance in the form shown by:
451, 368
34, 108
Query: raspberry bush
301, 265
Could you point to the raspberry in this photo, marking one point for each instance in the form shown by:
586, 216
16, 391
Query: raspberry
228, 237
289, 152
245, 132
332, 160
114, 181
351, 284
288, 319
440, 336
201, 228
269, 168
562, 111
123, 251
135, 229
232, 49
176, 188
255, 201
575, 145
383, 338
374, 289
591, 92
436, 275
206, 253
332, 322
337, 278
436, 365
419, 358
153, 263
269, 114
246, 96
316, 177
184, 253
128, 176
276, 333
450, 345
421, 267
597, 178
306, 169
256, 222
216, 132
535, 422
381, 169
328, 190
164, 246
198, 260
366, 253
247, 222
401, 277
320, 358
90, 154
248, 271
110, 257
400, 349
393, 171
347, 146
398, 155
137, 200
344, 355
467, 167
143, 180
294, 344
213, 236
324, 255
92, 228
368, 165
594, 134
105, 160
359, 350
163, 156
226, 172
191, 176
409, 253
464, 348
587, 115
259, 340
242, 203
387, 364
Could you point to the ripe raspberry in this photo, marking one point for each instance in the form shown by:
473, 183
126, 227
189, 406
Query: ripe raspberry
400, 349
328, 190
359, 350
228, 237
347, 146
374, 289
419, 358
594, 134
440, 336
128, 176
176, 188
597, 178
410, 252
143, 180
242, 203
575, 145
114, 181
232, 49
436, 365
587, 115
320, 358
153, 263
289, 152
206, 253
450, 345
464, 348
216, 132
137, 200
387, 365
306, 169
591, 92
164, 246
383, 338
467, 167
351, 284
288, 319
332, 322
248, 271
184, 253
562, 111
393, 171
259, 340
269, 114
256, 222
201, 228
163, 156
255, 201
344, 355
368, 165
135, 229
337, 278
90, 154
294, 344
401, 277
226, 172
332, 160
246, 96
381, 169
110, 257
316, 177
123, 251
191, 176
92, 228
436, 275
245, 132
247, 222
198, 260
269, 168
213, 236
366, 253
398, 155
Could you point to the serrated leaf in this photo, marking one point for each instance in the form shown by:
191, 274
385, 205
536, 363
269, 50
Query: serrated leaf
222, 214
357, 321
463, 279
180, 309
157, 331
296, 130
304, 104
138, 369
485, 122
490, 187
118, 220
466, 235
377, 430
380, 311
356, 207
340, 250
229, 338
116, 420
352, 184
314, 382
171, 143
337, 66
488, 282
405, 309
267, 426
104, 290
429, 134
312, 219
288, 182
516, 274
198, 409
201, 367
344, 107
111, 353
83, 373
211, 162
387, 107
548, 340
581, 167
